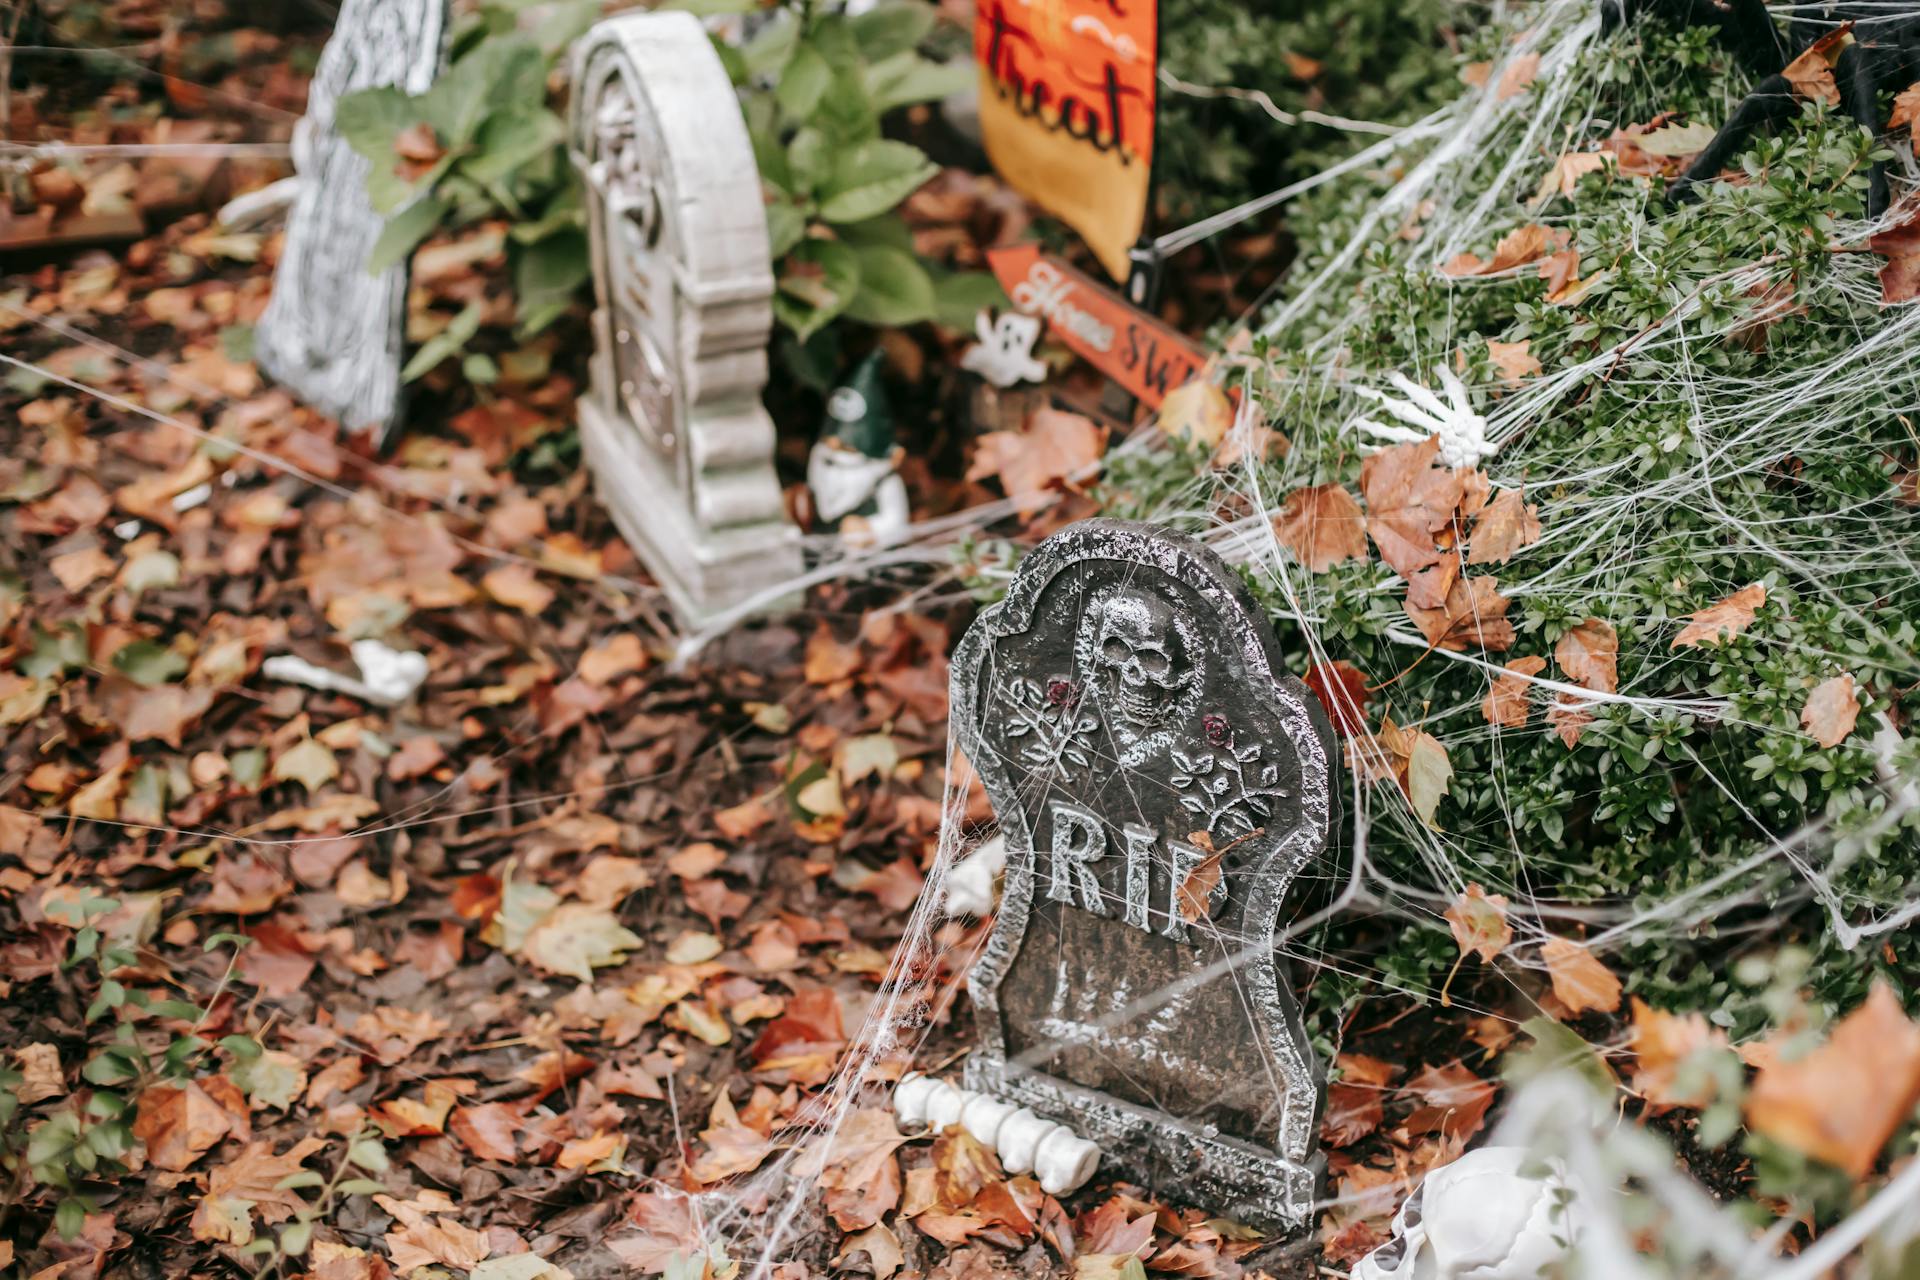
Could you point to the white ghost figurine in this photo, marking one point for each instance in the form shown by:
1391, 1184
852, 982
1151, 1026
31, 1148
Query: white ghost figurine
1481, 1218
1004, 354
1462, 432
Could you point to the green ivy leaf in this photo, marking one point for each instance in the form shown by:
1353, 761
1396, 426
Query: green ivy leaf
960, 297
447, 342
889, 29
803, 82
815, 284
404, 232
872, 178
894, 288
148, 662
786, 224
907, 78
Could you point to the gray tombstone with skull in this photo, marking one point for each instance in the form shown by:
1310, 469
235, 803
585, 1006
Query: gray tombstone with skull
673, 428
1159, 780
333, 332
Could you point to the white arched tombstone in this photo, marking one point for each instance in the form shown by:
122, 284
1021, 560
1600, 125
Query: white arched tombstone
1129, 714
332, 333
672, 426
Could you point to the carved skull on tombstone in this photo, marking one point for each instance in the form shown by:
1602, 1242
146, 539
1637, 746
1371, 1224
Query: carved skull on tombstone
1139, 648
1159, 781
672, 427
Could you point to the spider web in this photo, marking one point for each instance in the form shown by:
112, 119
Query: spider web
1836, 554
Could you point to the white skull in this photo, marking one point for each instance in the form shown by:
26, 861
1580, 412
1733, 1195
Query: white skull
1481, 1218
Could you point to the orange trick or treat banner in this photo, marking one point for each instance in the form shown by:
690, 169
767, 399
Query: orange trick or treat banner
1137, 351
1066, 110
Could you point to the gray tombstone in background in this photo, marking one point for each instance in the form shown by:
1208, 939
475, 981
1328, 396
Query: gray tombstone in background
1126, 708
672, 426
333, 333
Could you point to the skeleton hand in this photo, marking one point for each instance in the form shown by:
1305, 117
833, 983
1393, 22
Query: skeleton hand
1462, 432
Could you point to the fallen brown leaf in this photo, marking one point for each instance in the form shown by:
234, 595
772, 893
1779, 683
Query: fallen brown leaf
1662, 1043
1831, 710
1730, 617
1032, 464
1322, 526
1580, 981
1503, 527
1507, 702
1479, 923
1514, 360
1840, 1103
1409, 500
1475, 613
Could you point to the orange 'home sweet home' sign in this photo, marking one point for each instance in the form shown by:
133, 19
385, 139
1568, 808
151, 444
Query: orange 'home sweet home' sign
1066, 110
1143, 355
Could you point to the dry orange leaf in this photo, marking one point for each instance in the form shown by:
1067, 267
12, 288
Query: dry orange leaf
518, 587
1663, 1042
1518, 75
1589, 654
250, 1184
1475, 612
1514, 360
1906, 110
829, 660
1506, 702
1811, 74
1564, 177
1409, 500
1321, 526
731, 1146
1831, 710
1505, 525
1517, 248
180, 1124
1730, 616
619, 655
1900, 277
1840, 1103
1198, 411
1479, 923
1030, 464
1579, 980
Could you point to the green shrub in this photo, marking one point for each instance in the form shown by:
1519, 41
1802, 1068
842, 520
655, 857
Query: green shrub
816, 86
483, 142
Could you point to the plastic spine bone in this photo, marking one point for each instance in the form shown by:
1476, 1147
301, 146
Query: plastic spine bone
1060, 1160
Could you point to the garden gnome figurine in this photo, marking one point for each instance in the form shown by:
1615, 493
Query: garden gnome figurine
853, 469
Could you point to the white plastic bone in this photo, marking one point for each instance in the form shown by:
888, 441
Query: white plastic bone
983, 1116
1064, 1161
1481, 1218
255, 208
1020, 1135
1462, 432
388, 676
944, 1105
1059, 1159
910, 1099
970, 883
